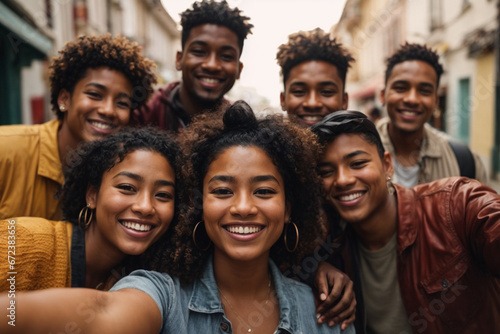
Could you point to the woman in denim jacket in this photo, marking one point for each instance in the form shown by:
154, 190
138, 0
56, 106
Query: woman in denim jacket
253, 209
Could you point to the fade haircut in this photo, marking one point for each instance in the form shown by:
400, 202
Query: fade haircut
347, 122
312, 45
219, 13
414, 51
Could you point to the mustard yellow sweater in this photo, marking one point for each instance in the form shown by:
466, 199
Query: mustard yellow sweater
35, 253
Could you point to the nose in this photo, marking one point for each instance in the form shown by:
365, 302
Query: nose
107, 107
411, 96
143, 204
344, 178
211, 63
243, 206
312, 101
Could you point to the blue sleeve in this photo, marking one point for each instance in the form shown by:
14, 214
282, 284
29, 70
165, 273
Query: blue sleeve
158, 286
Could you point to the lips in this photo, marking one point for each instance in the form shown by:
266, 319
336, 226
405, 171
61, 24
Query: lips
350, 199
409, 114
243, 229
311, 119
210, 81
102, 127
137, 226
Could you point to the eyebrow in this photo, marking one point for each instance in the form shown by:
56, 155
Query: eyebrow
322, 83
346, 157
231, 179
353, 154
430, 84
137, 177
98, 85
203, 43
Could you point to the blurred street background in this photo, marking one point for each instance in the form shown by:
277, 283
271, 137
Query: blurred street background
464, 32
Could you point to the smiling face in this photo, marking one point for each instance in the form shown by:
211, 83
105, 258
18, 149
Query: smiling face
98, 106
313, 90
134, 204
410, 96
244, 205
209, 63
354, 177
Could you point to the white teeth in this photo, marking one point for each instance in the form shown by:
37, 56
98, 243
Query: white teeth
350, 197
137, 226
243, 230
209, 80
101, 125
409, 113
312, 118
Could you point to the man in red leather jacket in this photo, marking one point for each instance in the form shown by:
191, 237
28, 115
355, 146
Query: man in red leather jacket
212, 42
425, 259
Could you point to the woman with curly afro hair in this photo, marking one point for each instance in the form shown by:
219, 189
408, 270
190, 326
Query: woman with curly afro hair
254, 208
96, 82
119, 199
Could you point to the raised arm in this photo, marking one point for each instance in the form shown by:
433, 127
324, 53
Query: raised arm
67, 310
475, 211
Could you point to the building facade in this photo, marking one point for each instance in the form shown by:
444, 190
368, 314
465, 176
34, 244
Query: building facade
462, 32
32, 31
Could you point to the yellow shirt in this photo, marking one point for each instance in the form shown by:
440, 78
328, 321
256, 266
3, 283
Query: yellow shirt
30, 171
36, 254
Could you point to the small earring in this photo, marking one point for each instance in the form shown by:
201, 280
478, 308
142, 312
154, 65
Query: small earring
390, 186
62, 108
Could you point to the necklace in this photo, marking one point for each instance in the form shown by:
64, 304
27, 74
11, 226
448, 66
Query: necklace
236, 312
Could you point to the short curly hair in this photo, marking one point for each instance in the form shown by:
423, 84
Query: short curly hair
215, 12
312, 45
117, 53
347, 122
291, 148
91, 160
414, 51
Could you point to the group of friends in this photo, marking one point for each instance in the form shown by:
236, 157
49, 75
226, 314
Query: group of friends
177, 211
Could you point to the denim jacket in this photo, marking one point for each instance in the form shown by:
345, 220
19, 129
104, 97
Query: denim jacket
196, 308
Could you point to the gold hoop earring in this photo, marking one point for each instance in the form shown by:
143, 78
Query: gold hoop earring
87, 218
194, 238
291, 250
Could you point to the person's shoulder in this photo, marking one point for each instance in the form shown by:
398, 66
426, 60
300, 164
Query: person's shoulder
436, 135
382, 124
18, 130
35, 225
14, 138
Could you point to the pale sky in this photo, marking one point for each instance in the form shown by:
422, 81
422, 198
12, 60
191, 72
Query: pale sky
273, 21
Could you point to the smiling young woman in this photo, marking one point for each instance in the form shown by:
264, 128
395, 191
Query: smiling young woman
118, 200
95, 83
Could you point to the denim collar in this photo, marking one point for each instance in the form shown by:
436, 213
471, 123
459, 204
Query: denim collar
205, 297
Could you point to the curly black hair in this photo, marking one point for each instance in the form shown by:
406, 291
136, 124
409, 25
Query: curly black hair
414, 51
117, 53
291, 148
215, 12
312, 45
347, 122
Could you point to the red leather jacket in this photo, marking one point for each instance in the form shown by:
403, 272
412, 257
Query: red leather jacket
448, 263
